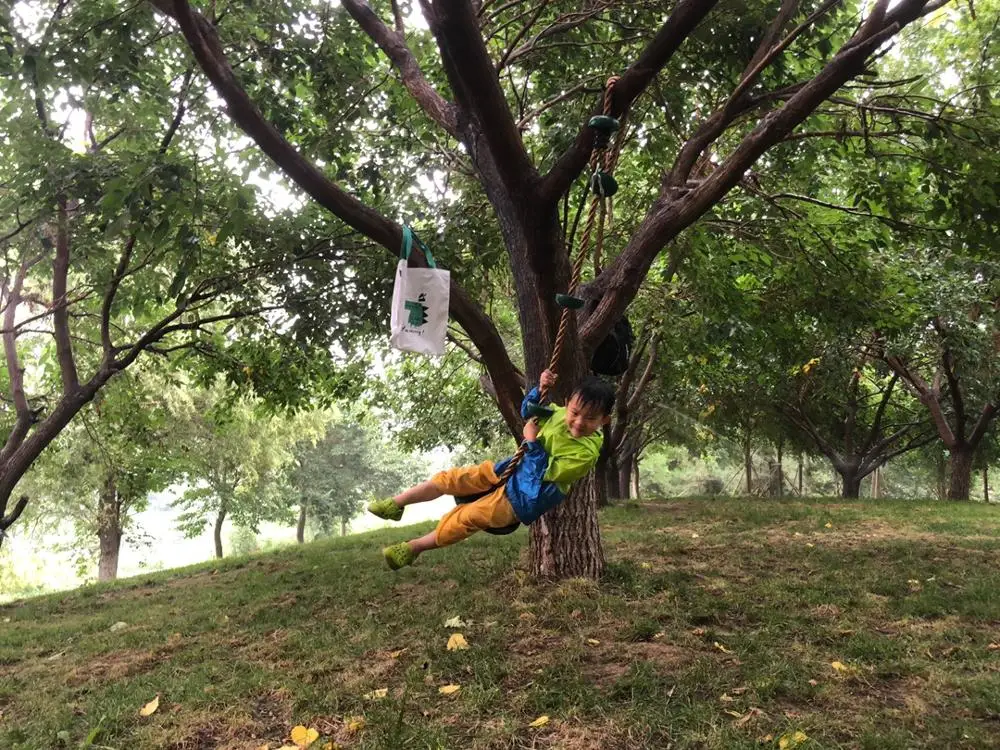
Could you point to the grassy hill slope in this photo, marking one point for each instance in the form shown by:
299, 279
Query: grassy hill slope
720, 624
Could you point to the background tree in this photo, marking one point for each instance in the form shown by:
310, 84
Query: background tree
350, 465
235, 458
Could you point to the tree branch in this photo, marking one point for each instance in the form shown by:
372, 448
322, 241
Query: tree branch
987, 415
15, 372
393, 44
876, 428
207, 49
60, 309
676, 210
477, 90
686, 16
928, 396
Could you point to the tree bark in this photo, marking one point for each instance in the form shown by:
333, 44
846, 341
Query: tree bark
961, 473
851, 482
343, 526
625, 469
219, 520
300, 529
568, 542
109, 531
942, 478
986, 484
877, 483
635, 478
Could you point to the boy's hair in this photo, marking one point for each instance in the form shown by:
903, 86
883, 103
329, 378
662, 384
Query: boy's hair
594, 392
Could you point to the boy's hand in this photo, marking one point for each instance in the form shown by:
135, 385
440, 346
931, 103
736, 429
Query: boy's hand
530, 432
548, 379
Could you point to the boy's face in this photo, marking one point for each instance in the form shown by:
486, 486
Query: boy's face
584, 419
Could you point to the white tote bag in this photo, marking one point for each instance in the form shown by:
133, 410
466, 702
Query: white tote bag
419, 319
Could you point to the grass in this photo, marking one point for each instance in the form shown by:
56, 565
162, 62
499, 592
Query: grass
716, 626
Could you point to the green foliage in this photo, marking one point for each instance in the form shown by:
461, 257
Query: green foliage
348, 466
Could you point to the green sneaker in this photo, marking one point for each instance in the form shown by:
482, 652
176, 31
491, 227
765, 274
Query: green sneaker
399, 556
386, 509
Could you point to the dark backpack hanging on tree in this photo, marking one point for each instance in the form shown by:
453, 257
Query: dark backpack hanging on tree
612, 355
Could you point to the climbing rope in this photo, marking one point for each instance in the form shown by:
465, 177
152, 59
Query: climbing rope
602, 186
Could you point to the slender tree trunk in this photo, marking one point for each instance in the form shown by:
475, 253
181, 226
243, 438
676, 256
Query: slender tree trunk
109, 531
748, 462
986, 484
219, 520
625, 477
635, 478
961, 473
569, 547
877, 483
606, 472
800, 475
942, 478
781, 470
343, 526
300, 529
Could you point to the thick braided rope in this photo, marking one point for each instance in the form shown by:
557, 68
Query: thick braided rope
596, 207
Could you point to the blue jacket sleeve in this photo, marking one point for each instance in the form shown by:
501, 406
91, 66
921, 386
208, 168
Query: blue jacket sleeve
531, 471
533, 397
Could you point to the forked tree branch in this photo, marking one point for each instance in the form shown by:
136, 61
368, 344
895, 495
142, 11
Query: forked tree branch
684, 19
673, 212
207, 48
393, 44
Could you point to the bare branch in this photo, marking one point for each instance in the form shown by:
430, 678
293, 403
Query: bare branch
393, 44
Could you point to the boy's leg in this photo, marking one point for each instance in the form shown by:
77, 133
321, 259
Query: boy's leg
465, 480
491, 512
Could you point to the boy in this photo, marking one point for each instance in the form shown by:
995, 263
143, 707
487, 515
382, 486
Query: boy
561, 449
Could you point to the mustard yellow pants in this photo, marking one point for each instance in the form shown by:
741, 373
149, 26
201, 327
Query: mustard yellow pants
490, 512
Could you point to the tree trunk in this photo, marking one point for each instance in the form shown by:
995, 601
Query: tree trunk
109, 531
781, 470
748, 463
635, 478
606, 472
942, 478
961, 473
625, 477
800, 474
219, 520
343, 525
300, 530
850, 480
877, 483
986, 484
566, 541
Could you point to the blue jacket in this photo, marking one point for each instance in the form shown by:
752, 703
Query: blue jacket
543, 477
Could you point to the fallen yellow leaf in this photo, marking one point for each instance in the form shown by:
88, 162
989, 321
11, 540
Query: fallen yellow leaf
810, 544
792, 740
593, 642
355, 724
376, 694
541, 721
304, 737
839, 666
993, 647
455, 622
457, 642
828, 525
694, 536
397, 654
722, 648
646, 565
150, 708
726, 698
729, 711
449, 689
